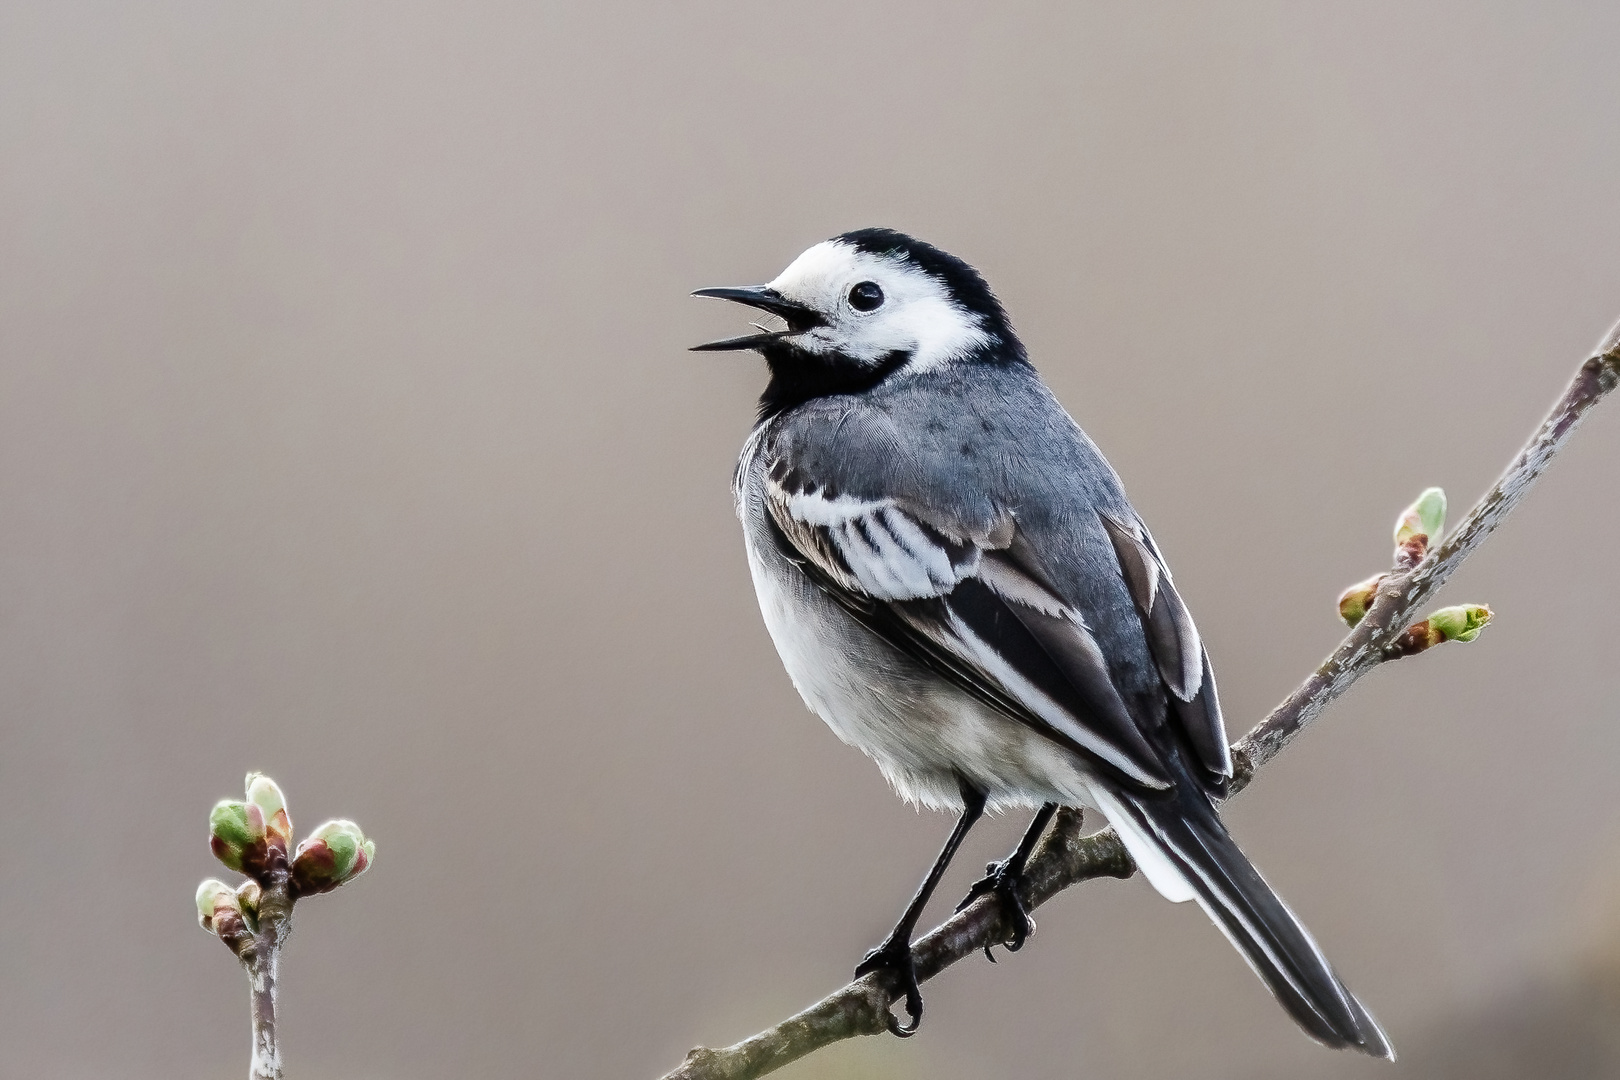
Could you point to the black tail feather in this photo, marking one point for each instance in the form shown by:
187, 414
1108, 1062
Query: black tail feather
1274, 942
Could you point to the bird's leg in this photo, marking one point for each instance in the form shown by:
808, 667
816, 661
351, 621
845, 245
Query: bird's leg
1006, 880
895, 953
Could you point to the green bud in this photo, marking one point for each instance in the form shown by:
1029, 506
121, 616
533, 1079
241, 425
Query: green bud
266, 795
1461, 623
1425, 518
334, 854
1355, 601
236, 834
248, 895
213, 896
219, 911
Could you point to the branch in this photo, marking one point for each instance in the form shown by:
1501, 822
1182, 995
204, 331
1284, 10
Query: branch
255, 931
254, 837
1066, 858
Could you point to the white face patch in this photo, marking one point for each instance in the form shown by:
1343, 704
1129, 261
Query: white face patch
916, 316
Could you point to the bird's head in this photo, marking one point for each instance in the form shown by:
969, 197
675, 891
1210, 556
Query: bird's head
863, 305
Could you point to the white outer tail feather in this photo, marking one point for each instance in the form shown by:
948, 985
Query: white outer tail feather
1149, 848
1148, 854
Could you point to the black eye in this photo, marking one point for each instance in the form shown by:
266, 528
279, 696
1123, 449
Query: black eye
865, 296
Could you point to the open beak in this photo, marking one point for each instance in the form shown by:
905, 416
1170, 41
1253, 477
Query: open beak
799, 318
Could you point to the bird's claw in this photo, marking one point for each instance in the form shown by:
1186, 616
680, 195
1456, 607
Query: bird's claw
897, 958
1008, 886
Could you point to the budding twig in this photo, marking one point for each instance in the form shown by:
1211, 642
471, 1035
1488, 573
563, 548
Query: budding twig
254, 919
1066, 858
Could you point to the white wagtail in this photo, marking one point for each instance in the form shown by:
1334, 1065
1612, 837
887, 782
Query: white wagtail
959, 587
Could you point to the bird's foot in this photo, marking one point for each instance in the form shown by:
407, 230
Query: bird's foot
1007, 883
895, 956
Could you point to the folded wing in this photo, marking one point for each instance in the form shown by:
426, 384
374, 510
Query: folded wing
974, 604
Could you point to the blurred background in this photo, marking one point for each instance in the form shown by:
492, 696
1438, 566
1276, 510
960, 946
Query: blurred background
347, 432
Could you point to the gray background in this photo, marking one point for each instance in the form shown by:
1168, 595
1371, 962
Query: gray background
346, 432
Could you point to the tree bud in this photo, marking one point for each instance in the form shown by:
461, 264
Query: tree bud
1461, 623
1355, 601
334, 854
248, 895
237, 836
266, 795
216, 901
1420, 524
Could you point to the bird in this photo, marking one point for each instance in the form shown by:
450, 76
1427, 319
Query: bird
959, 587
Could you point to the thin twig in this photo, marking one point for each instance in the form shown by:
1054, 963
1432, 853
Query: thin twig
256, 938
262, 962
254, 919
1066, 858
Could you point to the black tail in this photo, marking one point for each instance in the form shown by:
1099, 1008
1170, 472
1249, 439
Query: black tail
1186, 830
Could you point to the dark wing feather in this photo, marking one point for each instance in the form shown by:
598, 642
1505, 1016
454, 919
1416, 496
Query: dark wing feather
1173, 639
978, 615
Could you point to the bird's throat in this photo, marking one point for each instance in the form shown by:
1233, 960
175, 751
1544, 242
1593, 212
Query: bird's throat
798, 377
